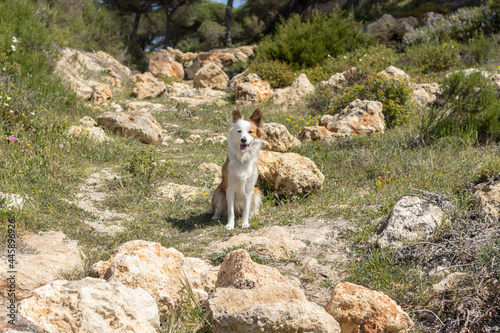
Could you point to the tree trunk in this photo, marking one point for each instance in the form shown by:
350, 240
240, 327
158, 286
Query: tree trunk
133, 34
166, 41
229, 9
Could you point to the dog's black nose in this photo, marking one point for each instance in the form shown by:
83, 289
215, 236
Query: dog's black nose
243, 140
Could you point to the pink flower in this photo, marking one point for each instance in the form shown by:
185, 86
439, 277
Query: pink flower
459, 55
12, 138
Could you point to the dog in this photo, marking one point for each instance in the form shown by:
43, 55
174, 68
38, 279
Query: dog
237, 194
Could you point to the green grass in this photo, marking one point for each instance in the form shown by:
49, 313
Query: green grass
364, 176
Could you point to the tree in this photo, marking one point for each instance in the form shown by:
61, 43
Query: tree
170, 6
229, 8
136, 7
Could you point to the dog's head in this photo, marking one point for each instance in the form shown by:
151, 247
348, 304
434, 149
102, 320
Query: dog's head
246, 133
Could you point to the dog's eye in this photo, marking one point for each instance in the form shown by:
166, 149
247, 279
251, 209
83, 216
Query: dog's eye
250, 131
239, 131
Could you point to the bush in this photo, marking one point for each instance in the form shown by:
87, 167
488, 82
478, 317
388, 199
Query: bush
471, 109
307, 43
461, 26
374, 58
394, 94
433, 58
211, 33
481, 47
277, 73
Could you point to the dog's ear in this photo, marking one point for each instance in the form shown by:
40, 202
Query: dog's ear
256, 118
236, 115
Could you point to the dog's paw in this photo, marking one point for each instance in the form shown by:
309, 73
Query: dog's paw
215, 217
229, 226
245, 225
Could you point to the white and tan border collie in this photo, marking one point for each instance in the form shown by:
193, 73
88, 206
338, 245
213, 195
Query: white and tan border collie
238, 194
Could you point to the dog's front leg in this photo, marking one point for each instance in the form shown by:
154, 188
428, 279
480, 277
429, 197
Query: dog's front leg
246, 209
230, 208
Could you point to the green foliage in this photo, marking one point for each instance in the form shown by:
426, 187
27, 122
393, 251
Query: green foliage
306, 43
167, 79
377, 271
34, 50
487, 172
211, 33
433, 58
481, 46
374, 58
238, 67
471, 109
142, 163
276, 72
494, 5
460, 26
87, 25
394, 94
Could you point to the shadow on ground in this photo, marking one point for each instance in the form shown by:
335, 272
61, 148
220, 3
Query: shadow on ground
193, 222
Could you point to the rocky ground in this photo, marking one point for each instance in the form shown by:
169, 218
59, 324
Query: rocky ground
286, 276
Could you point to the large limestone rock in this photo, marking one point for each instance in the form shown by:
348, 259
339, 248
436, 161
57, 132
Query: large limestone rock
392, 72
251, 89
182, 93
185, 58
51, 256
488, 200
139, 125
156, 269
316, 133
238, 270
88, 128
278, 138
337, 82
256, 298
100, 93
146, 107
383, 28
75, 67
412, 218
358, 118
388, 28
425, 93
163, 63
289, 173
274, 242
221, 59
91, 305
211, 76
290, 96
358, 309
147, 86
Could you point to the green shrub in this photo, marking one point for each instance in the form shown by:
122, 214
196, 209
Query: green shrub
374, 58
394, 94
238, 67
277, 73
433, 58
142, 163
306, 43
461, 26
481, 46
211, 33
168, 80
471, 109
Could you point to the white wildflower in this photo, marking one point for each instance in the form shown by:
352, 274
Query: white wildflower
13, 47
14, 40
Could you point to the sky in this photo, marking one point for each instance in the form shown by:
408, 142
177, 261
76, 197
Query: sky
236, 3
